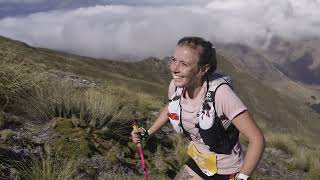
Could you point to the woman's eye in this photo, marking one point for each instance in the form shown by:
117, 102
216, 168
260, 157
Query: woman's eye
184, 64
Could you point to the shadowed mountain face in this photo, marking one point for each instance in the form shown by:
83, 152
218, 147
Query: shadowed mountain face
251, 61
292, 68
299, 70
299, 60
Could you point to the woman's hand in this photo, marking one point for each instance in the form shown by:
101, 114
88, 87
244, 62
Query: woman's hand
136, 135
160, 121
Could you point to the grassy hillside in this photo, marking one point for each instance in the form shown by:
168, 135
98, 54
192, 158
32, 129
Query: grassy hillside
276, 111
136, 76
88, 102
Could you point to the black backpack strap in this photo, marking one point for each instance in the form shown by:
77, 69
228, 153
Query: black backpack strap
231, 133
219, 139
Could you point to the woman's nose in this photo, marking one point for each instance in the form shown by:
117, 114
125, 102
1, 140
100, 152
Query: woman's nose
174, 67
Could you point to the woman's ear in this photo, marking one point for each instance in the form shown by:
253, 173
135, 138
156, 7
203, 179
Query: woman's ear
204, 69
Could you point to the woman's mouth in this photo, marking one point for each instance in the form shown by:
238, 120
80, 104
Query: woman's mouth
177, 77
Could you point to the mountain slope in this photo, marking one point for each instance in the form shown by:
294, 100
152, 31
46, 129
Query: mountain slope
286, 123
274, 70
277, 111
133, 75
299, 60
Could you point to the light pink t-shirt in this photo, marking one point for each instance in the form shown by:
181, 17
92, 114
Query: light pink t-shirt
227, 103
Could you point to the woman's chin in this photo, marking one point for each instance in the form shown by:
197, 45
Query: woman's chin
178, 83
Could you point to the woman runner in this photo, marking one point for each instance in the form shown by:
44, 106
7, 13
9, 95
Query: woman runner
203, 106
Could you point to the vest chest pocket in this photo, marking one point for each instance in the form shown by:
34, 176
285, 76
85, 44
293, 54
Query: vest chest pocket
206, 119
174, 115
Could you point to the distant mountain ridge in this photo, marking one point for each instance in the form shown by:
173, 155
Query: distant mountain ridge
290, 67
299, 60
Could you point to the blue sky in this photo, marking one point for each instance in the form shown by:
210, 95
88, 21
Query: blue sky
141, 28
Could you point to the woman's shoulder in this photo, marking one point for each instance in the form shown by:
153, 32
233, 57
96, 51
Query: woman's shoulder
228, 102
216, 80
171, 89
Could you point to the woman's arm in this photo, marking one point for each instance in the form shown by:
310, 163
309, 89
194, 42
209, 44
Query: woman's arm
247, 126
161, 121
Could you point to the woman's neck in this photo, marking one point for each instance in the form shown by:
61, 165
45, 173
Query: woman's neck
194, 90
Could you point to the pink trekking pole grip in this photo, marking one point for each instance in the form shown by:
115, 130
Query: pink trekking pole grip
135, 125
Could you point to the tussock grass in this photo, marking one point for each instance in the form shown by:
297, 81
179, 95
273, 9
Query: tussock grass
98, 107
314, 172
283, 142
130, 176
94, 106
301, 160
49, 168
48, 99
15, 81
159, 160
304, 156
6, 134
180, 149
43, 97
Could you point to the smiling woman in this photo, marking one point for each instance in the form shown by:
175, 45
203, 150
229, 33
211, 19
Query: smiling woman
203, 106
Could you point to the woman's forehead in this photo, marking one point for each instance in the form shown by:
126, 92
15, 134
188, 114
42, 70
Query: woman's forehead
186, 53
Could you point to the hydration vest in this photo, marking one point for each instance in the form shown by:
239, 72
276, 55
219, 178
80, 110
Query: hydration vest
211, 130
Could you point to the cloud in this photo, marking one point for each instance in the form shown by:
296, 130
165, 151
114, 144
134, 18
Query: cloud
142, 30
114, 2
21, 1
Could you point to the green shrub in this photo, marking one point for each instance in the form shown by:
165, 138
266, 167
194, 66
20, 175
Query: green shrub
68, 141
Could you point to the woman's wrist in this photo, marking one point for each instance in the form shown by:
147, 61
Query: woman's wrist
145, 134
241, 176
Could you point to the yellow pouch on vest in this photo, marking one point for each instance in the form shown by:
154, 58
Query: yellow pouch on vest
207, 162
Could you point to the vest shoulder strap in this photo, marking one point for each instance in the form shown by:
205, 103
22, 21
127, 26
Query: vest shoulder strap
215, 81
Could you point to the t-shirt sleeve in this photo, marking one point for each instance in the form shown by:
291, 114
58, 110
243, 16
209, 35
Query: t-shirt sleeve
228, 103
171, 89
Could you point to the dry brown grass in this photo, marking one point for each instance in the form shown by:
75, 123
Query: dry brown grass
15, 80
282, 141
305, 157
49, 168
180, 149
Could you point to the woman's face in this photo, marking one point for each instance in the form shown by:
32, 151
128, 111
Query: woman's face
184, 67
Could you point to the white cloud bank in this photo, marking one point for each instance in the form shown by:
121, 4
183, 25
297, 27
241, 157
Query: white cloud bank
138, 31
21, 1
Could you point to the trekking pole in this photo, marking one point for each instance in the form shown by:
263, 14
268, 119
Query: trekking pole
136, 125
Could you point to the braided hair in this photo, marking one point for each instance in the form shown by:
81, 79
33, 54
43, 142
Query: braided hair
207, 53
